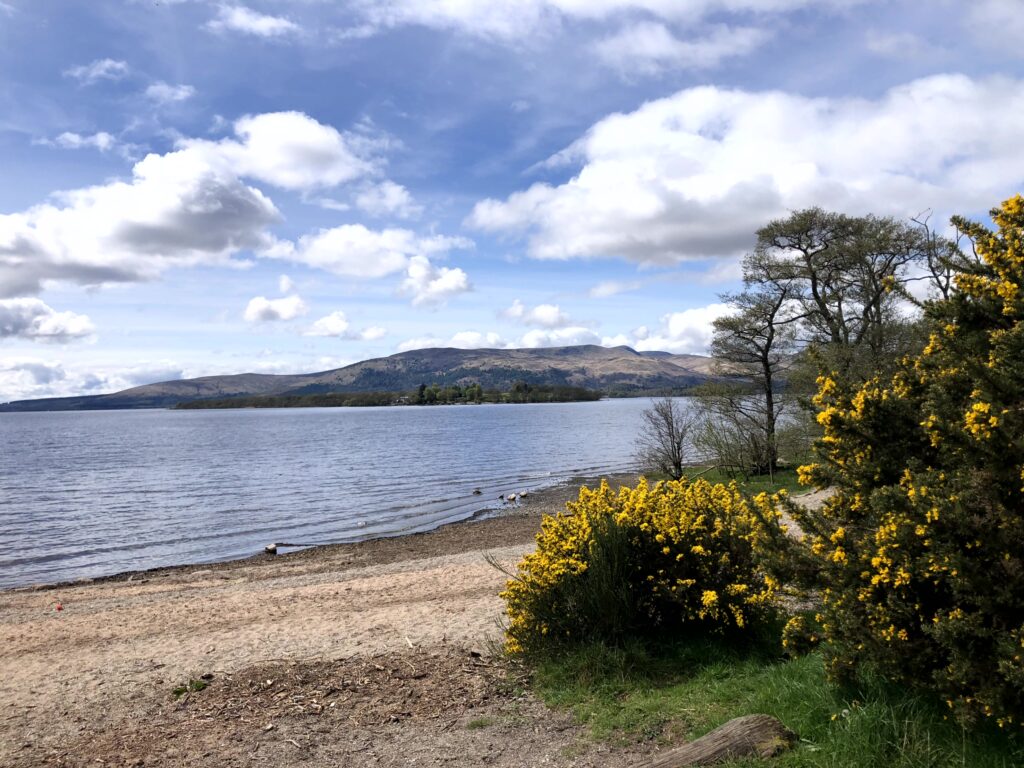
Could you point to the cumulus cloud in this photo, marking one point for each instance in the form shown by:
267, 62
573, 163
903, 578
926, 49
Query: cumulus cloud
175, 211
100, 69
388, 199
289, 150
686, 332
238, 18
165, 93
32, 320
429, 285
353, 250
695, 174
337, 325
650, 47
263, 310
285, 284
535, 339
460, 340
23, 378
186, 207
542, 315
558, 337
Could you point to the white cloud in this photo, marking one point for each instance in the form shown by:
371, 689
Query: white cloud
23, 378
558, 337
261, 309
650, 47
388, 199
610, 288
429, 285
32, 320
238, 18
331, 204
101, 69
285, 284
164, 93
460, 340
542, 315
519, 21
289, 150
337, 325
102, 141
535, 339
695, 174
188, 207
334, 324
686, 332
353, 250
176, 210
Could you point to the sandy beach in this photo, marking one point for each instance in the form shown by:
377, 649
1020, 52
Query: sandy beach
377, 653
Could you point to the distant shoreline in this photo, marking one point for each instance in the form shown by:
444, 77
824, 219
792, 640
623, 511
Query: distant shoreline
425, 396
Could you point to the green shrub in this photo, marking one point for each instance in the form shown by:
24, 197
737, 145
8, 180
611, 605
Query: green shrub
921, 548
648, 559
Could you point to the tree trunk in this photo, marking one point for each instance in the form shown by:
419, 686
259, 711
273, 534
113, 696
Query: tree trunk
749, 736
771, 446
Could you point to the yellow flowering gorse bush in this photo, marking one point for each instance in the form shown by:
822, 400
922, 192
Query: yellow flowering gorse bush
921, 547
673, 555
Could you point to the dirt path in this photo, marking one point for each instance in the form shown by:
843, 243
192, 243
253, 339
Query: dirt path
92, 684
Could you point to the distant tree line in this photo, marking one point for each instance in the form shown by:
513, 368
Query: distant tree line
433, 394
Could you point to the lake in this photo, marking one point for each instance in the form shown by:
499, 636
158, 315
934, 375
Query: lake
86, 494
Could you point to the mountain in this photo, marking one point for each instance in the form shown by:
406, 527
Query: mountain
616, 370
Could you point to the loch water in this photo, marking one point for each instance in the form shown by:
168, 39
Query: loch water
86, 494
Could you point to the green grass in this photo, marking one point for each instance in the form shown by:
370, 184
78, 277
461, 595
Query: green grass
783, 479
679, 691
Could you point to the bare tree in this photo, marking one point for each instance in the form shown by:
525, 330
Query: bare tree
754, 345
664, 437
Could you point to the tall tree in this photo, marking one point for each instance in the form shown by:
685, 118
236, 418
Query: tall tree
848, 276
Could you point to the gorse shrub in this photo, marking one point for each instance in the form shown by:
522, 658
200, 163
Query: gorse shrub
921, 548
671, 556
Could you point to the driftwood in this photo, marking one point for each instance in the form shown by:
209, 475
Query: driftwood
749, 736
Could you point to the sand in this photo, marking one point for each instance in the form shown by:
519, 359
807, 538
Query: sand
93, 683
372, 654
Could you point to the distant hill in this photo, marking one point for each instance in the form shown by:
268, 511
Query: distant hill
616, 370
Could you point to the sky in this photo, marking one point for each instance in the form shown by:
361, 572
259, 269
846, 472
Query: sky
196, 188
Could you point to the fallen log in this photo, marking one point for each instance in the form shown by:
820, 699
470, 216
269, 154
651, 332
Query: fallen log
748, 736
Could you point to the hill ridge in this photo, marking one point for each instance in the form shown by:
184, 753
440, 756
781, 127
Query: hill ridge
614, 370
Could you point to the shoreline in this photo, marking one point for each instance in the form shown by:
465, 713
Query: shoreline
545, 500
94, 679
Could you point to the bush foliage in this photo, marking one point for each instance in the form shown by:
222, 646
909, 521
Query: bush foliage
921, 548
673, 556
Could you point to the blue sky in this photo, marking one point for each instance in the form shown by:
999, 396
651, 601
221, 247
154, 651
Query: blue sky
196, 187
